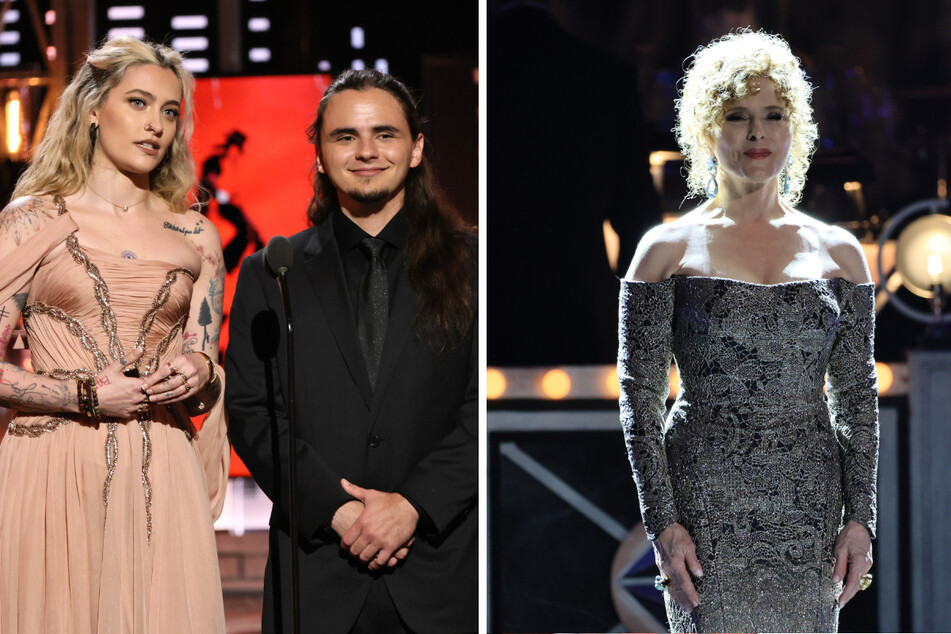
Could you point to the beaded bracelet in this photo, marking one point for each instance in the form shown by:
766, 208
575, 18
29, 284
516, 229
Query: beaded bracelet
87, 397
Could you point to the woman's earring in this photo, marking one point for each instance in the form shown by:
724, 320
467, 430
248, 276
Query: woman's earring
713, 188
786, 176
93, 132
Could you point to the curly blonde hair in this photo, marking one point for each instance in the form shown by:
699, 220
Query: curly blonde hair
60, 163
723, 72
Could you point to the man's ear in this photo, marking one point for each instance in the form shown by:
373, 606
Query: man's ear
417, 155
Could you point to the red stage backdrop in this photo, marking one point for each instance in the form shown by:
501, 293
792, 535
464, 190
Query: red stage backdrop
250, 146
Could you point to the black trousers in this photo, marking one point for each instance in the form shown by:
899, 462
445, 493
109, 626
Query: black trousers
379, 615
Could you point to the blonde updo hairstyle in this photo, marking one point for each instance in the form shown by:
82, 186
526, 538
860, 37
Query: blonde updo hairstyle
725, 71
60, 163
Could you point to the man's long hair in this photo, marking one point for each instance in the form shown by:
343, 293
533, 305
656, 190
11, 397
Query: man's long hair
438, 251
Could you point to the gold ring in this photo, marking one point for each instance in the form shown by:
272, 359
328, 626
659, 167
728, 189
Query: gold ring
172, 370
865, 581
185, 384
661, 582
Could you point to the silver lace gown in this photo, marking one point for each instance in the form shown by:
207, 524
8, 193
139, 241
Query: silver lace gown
755, 460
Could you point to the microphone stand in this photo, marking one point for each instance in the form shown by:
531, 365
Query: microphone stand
291, 451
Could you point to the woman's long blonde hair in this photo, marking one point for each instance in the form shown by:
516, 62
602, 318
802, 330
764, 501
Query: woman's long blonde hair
60, 163
725, 71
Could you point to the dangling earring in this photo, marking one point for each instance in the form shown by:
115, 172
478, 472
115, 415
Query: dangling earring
93, 132
713, 188
786, 176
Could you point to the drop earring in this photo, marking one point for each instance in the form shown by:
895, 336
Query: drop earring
713, 188
786, 179
93, 132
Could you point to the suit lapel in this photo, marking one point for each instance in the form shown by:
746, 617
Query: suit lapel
324, 269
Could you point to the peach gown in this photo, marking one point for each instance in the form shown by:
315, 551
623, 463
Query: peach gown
106, 528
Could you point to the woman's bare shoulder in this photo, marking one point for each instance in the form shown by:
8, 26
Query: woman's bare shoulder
843, 248
24, 216
660, 251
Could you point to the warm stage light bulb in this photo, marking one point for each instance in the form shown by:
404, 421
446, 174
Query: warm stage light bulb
924, 248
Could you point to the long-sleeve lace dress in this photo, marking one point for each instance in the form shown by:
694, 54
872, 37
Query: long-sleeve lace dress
756, 459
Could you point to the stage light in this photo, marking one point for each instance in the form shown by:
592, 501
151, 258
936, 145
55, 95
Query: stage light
323, 66
259, 25
51, 53
9, 59
132, 12
189, 22
924, 255
674, 382
357, 38
131, 31
11, 16
611, 383
196, 64
382, 66
556, 384
358, 64
494, 383
10, 37
259, 54
922, 261
196, 43
885, 377
50, 17
12, 112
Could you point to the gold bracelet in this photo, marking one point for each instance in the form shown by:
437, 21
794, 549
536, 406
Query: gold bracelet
212, 373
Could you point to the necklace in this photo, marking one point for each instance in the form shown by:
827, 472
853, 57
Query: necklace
124, 208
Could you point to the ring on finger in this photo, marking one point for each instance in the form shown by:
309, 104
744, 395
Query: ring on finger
172, 370
661, 582
865, 581
185, 384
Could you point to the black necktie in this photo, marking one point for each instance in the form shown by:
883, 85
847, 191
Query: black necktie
373, 308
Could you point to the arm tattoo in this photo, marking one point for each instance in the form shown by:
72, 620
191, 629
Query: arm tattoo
189, 341
5, 338
22, 221
212, 307
20, 300
30, 395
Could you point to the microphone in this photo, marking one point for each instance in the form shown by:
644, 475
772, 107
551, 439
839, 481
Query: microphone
278, 255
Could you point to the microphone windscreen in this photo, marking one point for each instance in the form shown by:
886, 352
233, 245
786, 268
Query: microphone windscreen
278, 255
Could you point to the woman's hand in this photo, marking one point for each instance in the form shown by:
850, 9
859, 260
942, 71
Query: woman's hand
119, 395
853, 549
675, 554
178, 380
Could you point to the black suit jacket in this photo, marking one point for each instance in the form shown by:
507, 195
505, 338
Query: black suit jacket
417, 434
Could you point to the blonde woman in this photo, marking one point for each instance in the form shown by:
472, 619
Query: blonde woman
107, 493
759, 488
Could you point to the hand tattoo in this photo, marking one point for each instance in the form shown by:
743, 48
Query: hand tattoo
129, 255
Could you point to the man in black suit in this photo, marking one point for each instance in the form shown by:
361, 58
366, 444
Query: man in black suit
384, 299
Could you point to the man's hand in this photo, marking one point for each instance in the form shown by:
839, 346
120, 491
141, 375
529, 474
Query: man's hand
345, 516
382, 534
